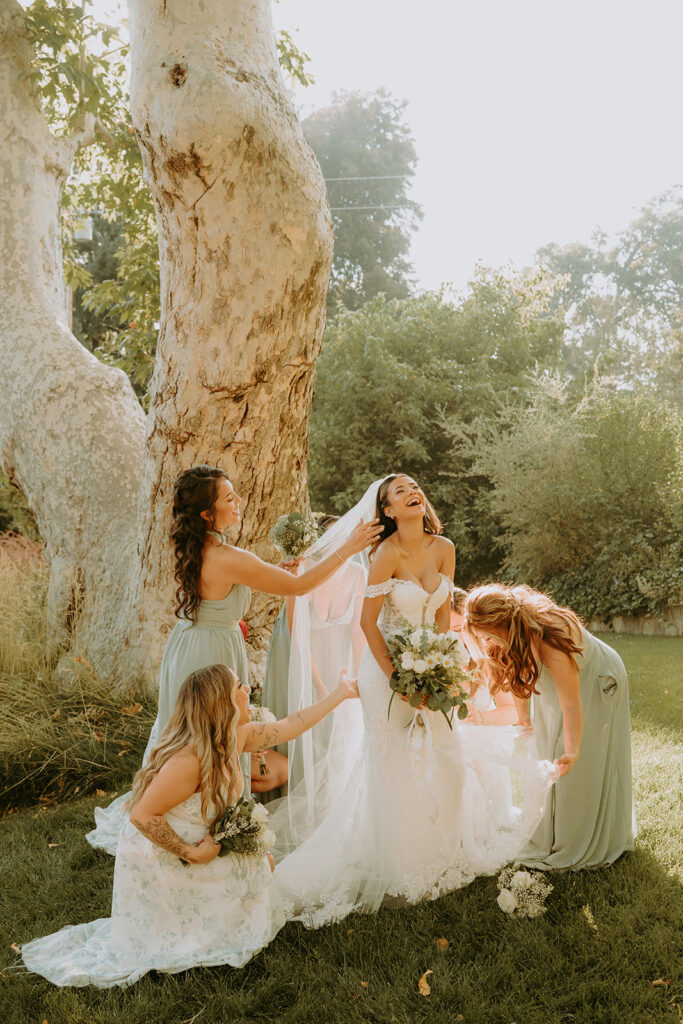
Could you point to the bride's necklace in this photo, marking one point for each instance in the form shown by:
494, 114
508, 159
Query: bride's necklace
418, 548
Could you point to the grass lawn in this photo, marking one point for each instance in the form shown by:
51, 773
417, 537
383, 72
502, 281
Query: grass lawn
607, 935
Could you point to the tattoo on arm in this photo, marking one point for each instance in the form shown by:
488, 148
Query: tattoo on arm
266, 735
158, 830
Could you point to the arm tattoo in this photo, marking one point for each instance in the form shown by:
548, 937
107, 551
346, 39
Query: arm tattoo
266, 734
158, 831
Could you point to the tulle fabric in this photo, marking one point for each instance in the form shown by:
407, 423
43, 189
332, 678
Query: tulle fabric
425, 808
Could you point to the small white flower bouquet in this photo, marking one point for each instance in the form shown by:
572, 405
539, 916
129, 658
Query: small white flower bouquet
294, 533
522, 893
259, 713
243, 829
428, 670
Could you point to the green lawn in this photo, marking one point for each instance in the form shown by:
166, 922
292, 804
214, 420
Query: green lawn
607, 936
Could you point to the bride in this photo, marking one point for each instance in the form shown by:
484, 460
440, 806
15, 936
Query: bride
427, 805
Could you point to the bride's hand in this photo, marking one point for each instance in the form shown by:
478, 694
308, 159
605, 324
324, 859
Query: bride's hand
362, 536
205, 851
347, 688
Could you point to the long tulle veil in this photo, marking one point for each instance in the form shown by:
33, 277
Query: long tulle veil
317, 775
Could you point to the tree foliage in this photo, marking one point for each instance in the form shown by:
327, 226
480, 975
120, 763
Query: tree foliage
623, 300
589, 496
364, 140
393, 371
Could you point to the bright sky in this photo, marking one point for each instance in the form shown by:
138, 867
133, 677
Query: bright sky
534, 120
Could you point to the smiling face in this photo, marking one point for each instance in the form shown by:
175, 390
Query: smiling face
226, 510
404, 500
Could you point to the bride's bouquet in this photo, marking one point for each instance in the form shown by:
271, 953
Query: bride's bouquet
294, 533
428, 671
243, 829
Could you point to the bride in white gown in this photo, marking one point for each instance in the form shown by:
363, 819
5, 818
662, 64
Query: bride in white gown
426, 807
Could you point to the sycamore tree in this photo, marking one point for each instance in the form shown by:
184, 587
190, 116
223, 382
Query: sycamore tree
245, 240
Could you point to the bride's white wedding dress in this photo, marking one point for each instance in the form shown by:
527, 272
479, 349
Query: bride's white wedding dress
426, 808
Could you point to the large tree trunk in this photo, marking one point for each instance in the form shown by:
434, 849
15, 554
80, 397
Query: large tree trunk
246, 245
71, 429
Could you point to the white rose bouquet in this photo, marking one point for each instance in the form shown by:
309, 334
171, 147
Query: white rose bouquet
428, 670
243, 829
294, 533
522, 893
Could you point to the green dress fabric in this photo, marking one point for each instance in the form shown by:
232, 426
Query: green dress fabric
213, 637
589, 819
275, 683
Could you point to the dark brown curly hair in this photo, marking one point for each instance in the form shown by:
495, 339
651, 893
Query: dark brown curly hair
194, 492
430, 521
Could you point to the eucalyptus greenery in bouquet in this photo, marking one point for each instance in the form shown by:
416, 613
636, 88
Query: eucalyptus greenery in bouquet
428, 670
243, 829
294, 533
522, 893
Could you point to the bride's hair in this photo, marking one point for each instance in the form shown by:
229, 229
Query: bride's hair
525, 615
205, 719
430, 521
194, 492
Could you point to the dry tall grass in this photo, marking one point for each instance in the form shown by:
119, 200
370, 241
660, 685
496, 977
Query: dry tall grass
63, 732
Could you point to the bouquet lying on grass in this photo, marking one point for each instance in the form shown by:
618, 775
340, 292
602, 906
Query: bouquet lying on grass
243, 829
294, 533
428, 670
522, 893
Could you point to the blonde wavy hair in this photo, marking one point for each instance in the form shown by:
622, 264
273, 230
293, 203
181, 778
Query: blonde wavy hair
525, 615
205, 719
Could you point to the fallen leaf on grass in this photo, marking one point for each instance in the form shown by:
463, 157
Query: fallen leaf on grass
661, 983
51, 846
423, 985
122, 752
16, 948
100, 792
132, 709
365, 984
99, 736
441, 944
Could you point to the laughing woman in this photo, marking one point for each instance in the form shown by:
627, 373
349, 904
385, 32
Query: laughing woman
214, 592
579, 690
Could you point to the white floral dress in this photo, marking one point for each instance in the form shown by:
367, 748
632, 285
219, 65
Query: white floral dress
165, 916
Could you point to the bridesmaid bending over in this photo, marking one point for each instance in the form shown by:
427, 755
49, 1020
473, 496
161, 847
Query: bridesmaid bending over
174, 905
534, 648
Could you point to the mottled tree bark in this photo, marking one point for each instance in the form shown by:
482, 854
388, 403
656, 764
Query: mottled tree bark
71, 429
246, 244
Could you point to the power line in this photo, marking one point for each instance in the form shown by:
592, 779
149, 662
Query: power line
338, 209
371, 177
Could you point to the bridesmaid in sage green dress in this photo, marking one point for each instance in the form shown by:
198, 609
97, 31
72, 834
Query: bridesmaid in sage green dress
580, 720
214, 592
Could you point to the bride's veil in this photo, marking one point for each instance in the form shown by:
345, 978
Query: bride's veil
321, 759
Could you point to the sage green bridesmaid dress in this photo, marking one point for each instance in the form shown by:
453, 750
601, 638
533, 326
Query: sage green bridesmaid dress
589, 819
275, 683
213, 637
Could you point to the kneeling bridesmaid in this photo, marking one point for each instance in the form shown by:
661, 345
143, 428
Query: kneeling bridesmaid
532, 648
175, 905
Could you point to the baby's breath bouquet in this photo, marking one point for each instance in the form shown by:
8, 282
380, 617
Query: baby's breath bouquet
243, 829
428, 670
522, 893
294, 533
260, 713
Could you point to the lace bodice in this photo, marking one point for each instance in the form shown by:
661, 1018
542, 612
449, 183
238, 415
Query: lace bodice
406, 600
